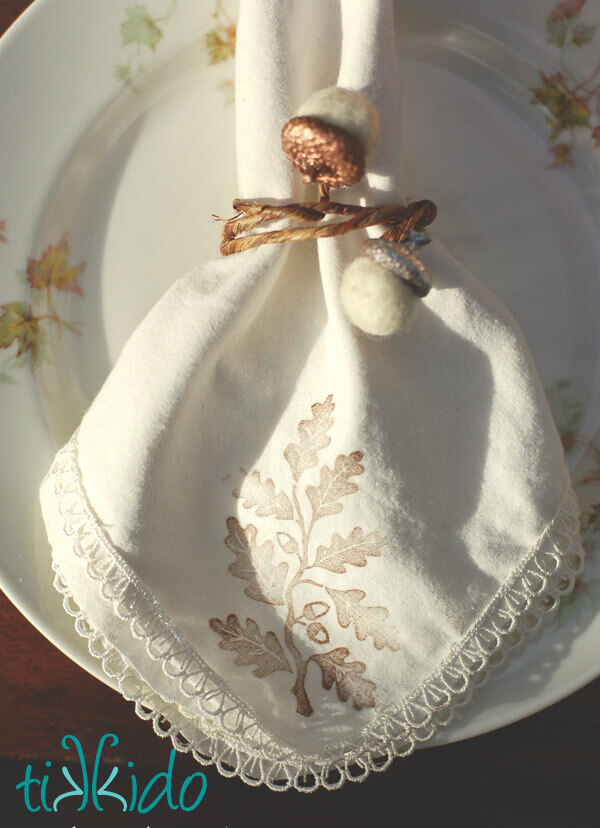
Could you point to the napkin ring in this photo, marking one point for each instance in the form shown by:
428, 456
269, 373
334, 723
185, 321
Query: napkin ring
328, 141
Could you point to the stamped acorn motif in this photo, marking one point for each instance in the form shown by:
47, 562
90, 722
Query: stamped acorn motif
331, 135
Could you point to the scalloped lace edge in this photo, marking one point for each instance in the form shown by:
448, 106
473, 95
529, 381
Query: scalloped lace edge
239, 745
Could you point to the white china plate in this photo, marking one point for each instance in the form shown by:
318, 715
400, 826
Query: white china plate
117, 148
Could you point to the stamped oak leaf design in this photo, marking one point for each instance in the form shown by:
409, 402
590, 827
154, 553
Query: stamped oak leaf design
263, 496
347, 677
307, 627
314, 437
254, 564
251, 646
367, 621
334, 484
352, 550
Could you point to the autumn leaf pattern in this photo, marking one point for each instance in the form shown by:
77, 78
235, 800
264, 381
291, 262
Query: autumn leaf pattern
53, 270
274, 580
140, 31
139, 27
19, 325
24, 328
220, 40
571, 101
141, 34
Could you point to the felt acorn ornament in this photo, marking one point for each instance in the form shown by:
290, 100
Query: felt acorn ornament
328, 141
380, 290
330, 136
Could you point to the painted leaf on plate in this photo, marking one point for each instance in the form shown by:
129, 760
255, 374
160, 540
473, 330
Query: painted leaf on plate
53, 270
220, 43
251, 646
139, 27
19, 325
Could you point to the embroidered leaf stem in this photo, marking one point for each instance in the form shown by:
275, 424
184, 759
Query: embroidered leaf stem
274, 581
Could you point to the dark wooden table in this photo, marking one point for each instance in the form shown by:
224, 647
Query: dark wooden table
540, 771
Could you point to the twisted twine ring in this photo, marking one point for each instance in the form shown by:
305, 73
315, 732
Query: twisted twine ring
398, 220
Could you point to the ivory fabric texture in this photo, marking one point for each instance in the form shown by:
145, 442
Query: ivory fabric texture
301, 546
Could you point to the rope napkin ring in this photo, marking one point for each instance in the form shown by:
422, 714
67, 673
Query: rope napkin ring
327, 141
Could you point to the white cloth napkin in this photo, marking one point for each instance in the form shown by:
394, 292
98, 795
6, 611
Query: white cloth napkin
301, 546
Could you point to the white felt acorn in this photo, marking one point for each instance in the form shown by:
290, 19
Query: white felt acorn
331, 135
380, 291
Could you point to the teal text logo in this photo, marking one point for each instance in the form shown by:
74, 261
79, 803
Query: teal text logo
92, 792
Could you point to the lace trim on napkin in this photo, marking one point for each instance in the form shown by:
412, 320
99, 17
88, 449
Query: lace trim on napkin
224, 731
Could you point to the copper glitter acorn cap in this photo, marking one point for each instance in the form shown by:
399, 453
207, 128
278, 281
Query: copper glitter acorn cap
323, 153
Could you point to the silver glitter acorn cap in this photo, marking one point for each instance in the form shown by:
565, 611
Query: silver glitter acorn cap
401, 259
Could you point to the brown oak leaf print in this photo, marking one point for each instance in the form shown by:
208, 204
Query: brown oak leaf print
275, 568
367, 621
251, 647
352, 550
255, 564
335, 483
313, 437
347, 677
263, 497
